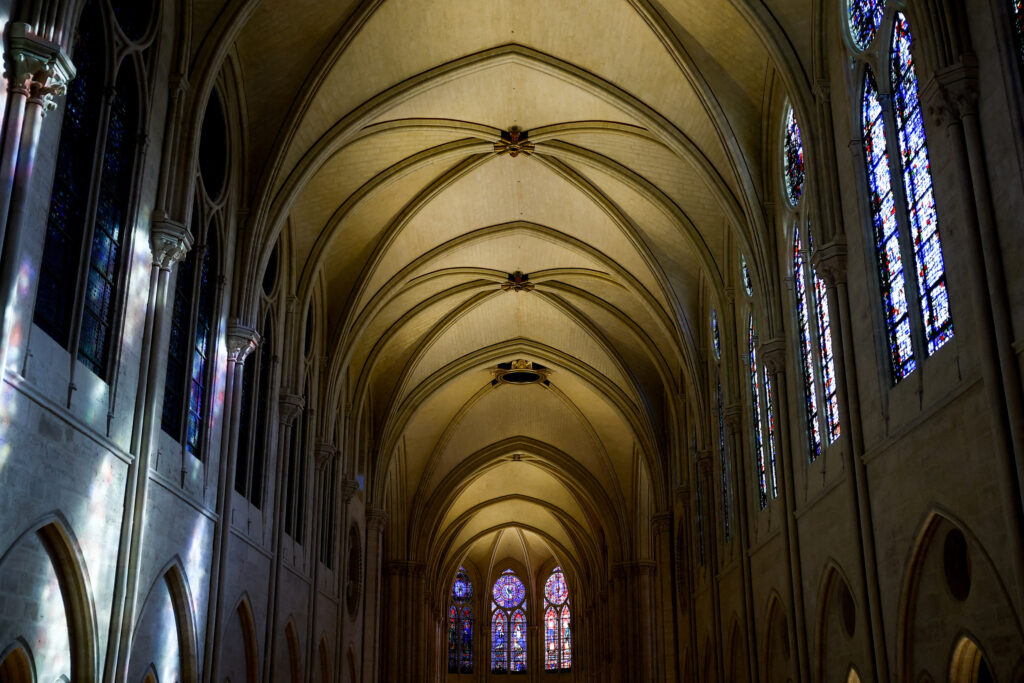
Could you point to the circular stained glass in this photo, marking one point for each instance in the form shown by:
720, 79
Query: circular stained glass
508, 591
462, 589
793, 159
864, 17
555, 589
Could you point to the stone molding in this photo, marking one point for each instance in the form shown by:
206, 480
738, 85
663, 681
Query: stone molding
325, 452
241, 341
376, 519
734, 416
170, 241
348, 489
953, 92
773, 353
661, 522
830, 262
36, 63
289, 407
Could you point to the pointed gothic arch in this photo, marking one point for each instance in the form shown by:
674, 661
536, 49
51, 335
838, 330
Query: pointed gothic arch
16, 665
249, 641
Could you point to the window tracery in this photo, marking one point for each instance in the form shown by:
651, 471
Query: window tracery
793, 156
508, 624
763, 422
460, 624
864, 17
557, 623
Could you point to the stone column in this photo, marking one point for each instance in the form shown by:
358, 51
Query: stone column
170, 242
241, 342
346, 491
376, 519
37, 71
952, 98
830, 262
774, 355
324, 453
289, 408
661, 542
734, 427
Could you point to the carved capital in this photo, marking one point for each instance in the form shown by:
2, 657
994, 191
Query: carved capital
376, 519
241, 341
661, 522
734, 416
169, 241
289, 407
705, 462
773, 353
348, 489
829, 261
953, 92
36, 65
325, 452
823, 90
683, 494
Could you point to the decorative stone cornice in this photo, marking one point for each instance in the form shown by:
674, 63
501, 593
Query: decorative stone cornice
376, 519
37, 61
830, 262
348, 489
953, 92
289, 407
325, 452
241, 341
404, 568
773, 353
169, 241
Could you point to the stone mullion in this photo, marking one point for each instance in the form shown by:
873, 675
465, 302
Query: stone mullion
774, 354
661, 529
830, 261
347, 490
376, 519
705, 472
325, 452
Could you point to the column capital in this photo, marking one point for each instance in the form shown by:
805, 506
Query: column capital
829, 261
773, 353
241, 341
734, 416
289, 407
705, 461
952, 92
661, 522
37, 63
823, 90
169, 240
325, 452
348, 489
376, 518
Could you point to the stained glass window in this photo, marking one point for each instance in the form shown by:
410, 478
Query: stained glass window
827, 358
748, 284
254, 417
557, 623
508, 624
460, 625
917, 185
755, 394
806, 348
864, 17
793, 151
771, 438
177, 346
65, 227
716, 335
1018, 25
203, 349
886, 234
726, 522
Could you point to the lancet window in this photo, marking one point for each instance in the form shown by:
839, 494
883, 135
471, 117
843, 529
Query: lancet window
508, 624
460, 625
557, 623
81, 285
762, 422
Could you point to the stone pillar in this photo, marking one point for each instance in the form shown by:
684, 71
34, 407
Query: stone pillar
170, 242
37, 72
324, 453
774, 355
376, 519
346, 490
289, 408
952, 98
734, 429
241, 341
661, 542
830, 261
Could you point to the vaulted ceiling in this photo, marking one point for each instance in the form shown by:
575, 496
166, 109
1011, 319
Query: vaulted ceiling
418, 154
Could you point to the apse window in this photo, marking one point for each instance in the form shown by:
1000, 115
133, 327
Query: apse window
508, 624
460, 625
557, 623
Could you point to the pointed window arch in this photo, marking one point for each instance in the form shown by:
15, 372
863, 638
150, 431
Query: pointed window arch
460, 624
794, 173
918, 190
508, 624
557, 623
762, 421
806, 348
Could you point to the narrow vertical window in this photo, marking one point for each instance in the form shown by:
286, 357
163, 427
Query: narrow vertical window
508, 624
460, 625
755, 396
716, 335
864, 18
793, 152
917, 184
557, 628
724, 462
203, 348
769, 400
827, 357
1018, 26
886, 234
177, 346
748, 284
806, 348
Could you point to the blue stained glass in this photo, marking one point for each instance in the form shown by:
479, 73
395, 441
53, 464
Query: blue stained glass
201, 350
827, 357
460, 625
462, 587
556, 591
551, 649
886, 232
453, 640
499, 642
770, 405
793, 152
864, 17
177, 348
508, 591
917, 183
755, 393
1018, 25
466, 642
716, 337
518, 638
806, 349
566, 620
748, 284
